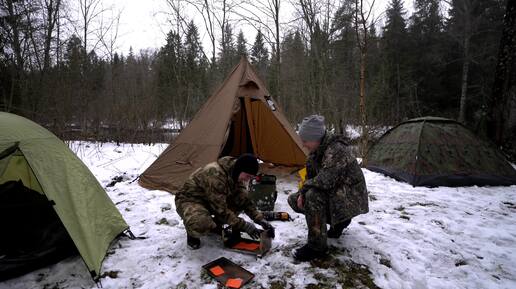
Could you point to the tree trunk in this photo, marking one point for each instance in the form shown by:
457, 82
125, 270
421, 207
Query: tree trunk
464, 88
278, 52
398, 85
363, 115
505, 78
18, 65
465, 64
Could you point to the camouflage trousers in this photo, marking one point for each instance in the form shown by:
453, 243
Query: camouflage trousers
196, 217
316, 211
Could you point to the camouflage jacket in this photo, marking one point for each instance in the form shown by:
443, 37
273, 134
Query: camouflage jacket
213, 187
331, 170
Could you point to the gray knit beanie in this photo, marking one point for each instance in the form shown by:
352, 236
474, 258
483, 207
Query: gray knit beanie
312, 128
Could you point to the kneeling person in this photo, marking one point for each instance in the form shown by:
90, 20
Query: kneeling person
215, 195
334, 191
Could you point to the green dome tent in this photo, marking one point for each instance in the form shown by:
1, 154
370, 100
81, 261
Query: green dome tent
47, 195
433, 151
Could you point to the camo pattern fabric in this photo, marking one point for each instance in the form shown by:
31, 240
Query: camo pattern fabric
210, 197
437, 147
334, 191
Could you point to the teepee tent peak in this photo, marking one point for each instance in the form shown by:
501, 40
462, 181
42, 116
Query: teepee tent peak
240, 117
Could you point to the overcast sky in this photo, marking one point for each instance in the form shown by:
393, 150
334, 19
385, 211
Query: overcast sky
144, 24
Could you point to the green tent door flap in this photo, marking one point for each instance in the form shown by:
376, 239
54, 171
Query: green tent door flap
44, 164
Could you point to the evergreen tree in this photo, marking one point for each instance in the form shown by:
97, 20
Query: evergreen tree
473, 29
394, 51
241, 46
194, 79
294, 76
169, 70
228, 54
193, 49
260, 54
427, 57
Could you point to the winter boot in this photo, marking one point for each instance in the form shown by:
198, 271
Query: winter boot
336, 231
193, 243
308, 253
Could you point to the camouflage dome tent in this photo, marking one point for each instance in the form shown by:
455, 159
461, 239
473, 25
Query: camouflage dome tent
433, 151
51, 206
240, 117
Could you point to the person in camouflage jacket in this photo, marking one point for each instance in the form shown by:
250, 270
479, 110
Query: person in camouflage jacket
215, 195
334, 191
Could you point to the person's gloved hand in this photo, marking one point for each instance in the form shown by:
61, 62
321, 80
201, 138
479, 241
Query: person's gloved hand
269, 228
251, 230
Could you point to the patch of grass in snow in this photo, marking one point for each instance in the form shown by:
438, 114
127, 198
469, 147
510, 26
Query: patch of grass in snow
353, 275
461, 263
400, 208
348, 274
278, 285
427, 204
162, 221
345, 273
385, 262
110, 274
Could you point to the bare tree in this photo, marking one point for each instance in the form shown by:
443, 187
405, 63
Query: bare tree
12, 29
362, 18
108, 33
52, 14
259, 14
316, 19
90, 15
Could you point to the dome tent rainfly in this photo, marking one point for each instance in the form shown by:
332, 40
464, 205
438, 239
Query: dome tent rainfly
431, 151
47, 186
240, 117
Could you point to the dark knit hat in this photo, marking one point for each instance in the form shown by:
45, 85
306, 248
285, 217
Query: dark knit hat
246, 163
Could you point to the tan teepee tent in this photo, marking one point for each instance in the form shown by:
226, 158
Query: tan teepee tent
240, 117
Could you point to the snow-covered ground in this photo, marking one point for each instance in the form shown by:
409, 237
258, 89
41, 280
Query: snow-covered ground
355, 131
411, 238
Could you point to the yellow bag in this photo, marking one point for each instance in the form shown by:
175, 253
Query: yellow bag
302, 174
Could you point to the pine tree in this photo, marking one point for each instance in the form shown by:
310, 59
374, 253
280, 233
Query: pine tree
193, 79
192, 46
227, 55
169, 70
260, 54
394, 50
427, 56
473, 30
241, 46
294, 76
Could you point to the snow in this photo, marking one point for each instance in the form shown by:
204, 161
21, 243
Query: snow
411, 238
174, 124
355, 131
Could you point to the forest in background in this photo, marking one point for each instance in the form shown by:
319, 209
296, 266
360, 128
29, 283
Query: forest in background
448, 58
